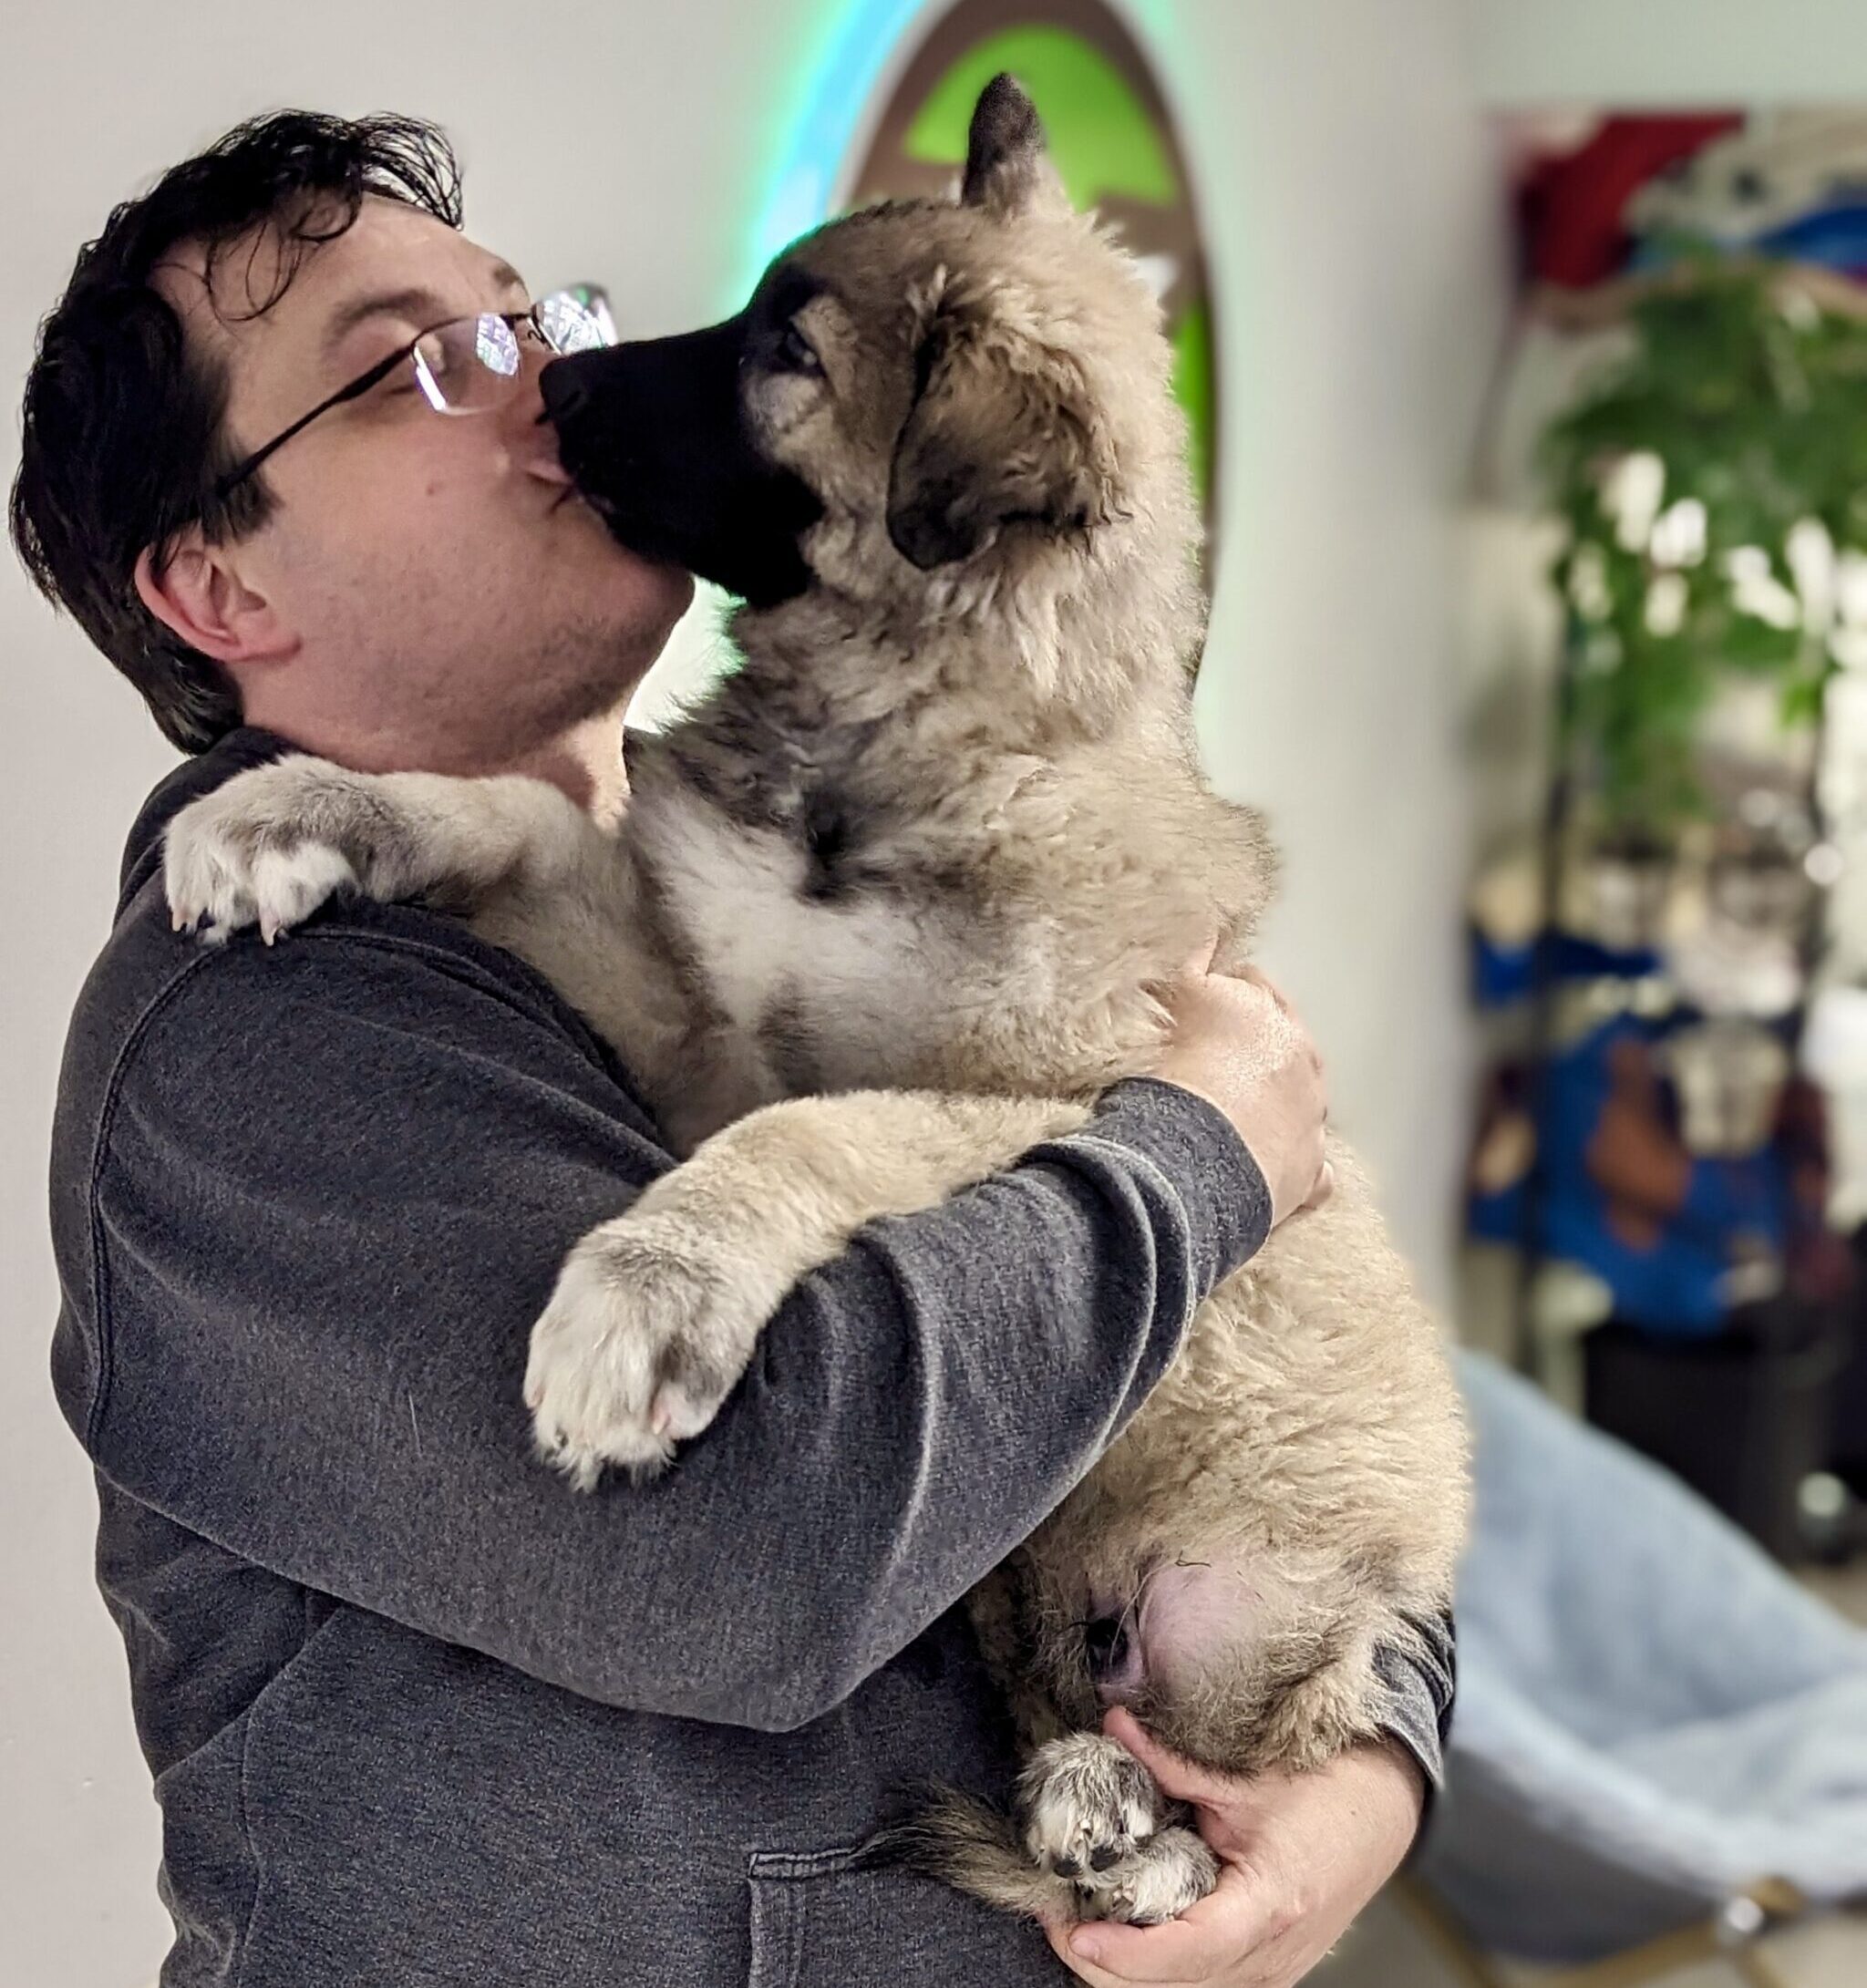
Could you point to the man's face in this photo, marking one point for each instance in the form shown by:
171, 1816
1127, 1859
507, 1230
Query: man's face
447, 593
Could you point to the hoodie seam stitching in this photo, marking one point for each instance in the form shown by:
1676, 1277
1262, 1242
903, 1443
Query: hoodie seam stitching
101, 1255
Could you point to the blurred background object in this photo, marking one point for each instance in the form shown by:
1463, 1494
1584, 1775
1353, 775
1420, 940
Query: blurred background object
1670, 944
1661, 1755
1661, 1742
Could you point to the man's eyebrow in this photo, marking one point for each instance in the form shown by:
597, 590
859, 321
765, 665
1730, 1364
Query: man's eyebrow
413, 301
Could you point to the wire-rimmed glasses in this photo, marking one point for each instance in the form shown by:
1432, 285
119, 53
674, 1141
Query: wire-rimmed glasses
467, 365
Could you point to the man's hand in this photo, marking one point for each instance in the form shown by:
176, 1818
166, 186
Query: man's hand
1299, 1855
1235, 1041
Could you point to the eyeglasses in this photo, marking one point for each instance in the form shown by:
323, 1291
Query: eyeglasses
469, 364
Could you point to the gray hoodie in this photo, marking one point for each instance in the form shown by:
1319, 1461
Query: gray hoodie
417, 1713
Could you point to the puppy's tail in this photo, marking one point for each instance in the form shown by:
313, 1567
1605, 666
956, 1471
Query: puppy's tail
964, 1843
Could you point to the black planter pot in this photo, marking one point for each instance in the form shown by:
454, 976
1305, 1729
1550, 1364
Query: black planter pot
1849, 1444
1743, 1418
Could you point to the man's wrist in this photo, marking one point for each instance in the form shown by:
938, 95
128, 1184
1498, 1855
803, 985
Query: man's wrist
1203, 1156
1416, 1777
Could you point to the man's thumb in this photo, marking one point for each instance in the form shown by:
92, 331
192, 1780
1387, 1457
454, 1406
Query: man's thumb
1181, 1779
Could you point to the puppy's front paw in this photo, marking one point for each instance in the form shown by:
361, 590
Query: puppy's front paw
1094, 1815
250, 854
646, 1334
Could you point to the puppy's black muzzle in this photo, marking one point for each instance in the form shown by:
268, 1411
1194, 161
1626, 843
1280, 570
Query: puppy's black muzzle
652, 434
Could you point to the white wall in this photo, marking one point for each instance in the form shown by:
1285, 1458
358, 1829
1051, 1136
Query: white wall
1348, 203
1356, 226
1645, 53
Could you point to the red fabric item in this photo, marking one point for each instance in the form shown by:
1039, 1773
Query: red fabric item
1570, 207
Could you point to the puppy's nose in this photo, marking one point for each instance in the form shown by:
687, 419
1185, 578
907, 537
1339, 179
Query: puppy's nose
565, 393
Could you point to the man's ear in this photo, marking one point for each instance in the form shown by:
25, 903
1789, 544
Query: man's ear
198, 593
1003, 431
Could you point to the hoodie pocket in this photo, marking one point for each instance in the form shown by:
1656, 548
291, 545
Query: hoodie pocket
823, 1918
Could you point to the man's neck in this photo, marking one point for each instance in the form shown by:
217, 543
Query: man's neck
586, 760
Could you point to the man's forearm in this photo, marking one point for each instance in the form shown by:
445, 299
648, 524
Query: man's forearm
1081, 1305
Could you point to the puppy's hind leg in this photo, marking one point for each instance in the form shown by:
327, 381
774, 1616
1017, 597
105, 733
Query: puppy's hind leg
1093, 1838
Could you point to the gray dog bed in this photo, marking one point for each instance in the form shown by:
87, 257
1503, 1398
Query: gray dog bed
1652, 1716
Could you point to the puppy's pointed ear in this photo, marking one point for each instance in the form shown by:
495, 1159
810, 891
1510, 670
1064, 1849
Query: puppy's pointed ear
1008, 169
1002, 431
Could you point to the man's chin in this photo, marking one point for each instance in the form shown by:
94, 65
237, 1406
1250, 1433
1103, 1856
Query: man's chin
673, 582
672, 593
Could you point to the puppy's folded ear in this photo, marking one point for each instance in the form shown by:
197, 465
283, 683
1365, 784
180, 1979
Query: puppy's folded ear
1003, 431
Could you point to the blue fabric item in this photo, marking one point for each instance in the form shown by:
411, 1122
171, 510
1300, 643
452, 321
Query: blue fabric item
1652, 1713
1676, 1285
1834, 236
1503, 974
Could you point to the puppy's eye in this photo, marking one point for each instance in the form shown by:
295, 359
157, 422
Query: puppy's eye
797, 354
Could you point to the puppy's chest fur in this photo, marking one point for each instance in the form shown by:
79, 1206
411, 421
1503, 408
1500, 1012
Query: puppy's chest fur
836, 903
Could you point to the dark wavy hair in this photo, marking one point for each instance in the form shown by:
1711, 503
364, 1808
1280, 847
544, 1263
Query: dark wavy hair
123, 423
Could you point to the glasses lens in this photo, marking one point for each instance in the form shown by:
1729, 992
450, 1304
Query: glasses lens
496, 345
576, 320
467, 364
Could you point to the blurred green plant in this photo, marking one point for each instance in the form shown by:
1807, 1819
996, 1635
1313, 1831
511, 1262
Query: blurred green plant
1714, 483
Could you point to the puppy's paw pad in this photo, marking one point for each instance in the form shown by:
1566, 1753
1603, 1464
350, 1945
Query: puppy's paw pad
1086, 1802
1095, 1816
643, 1340
1160, 1878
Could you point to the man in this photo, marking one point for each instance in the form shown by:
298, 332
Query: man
415, 1712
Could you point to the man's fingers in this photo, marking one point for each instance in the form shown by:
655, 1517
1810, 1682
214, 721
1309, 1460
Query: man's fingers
1198, 964
1061, 1939
1085, 1970
1180, 1778
1203, 1944
1195, 967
